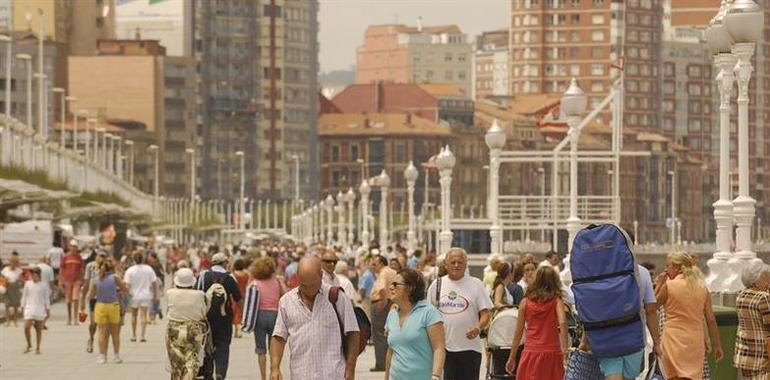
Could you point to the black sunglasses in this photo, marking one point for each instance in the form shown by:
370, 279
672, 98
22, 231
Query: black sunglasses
330, 261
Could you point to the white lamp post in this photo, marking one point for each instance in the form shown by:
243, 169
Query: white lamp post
156, 188
673, 207
384, 182
573, 104
7, 143
74, 111
495, 139
27, 59
130, 168
341, 236
191, 152
351, 198
364, 189
296, 176
410, 174
117, 164
329, 204
445, 162
242, 160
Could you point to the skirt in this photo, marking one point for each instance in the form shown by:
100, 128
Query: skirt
184, 345
540, 365
13, 294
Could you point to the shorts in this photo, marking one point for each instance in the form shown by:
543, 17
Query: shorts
630, 366
462, 365
135, 304
264, 330
92, 305
72, 291
107, 313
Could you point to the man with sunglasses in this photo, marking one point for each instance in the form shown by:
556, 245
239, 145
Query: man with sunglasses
328, 264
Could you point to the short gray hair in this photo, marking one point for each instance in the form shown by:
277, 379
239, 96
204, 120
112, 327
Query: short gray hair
341, 268
457, 250
753, 272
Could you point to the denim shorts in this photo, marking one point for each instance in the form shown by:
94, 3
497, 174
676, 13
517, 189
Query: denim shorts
630, 366
264, 330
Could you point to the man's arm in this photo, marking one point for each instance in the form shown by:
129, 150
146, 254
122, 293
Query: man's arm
651, 309
277, 345
352, 355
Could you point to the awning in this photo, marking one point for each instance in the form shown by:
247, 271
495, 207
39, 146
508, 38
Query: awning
15, 193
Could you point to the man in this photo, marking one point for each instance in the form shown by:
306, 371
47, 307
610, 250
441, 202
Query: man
380, 308
90, 278
551, 260
464, 303
365, 284
70, 279
142, 286
55, 254
650, 268
315, 343
220, 321
331, 278
13, 277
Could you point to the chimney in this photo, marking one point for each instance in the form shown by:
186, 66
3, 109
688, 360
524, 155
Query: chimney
378, 96
367, 124
409, 118
138, 33
419, 24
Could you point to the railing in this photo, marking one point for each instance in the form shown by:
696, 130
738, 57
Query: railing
20, 146
517, 211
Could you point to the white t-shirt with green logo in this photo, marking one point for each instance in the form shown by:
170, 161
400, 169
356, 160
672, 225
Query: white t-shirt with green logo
459, 304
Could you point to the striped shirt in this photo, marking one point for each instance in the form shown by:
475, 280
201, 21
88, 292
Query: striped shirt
753, 307
314, 335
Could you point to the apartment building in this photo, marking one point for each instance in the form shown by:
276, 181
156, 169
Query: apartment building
491, 64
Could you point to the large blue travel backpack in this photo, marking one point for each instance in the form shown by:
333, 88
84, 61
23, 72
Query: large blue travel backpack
607, 295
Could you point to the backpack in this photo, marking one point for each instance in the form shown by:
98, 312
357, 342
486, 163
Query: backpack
217, 293
606, 289
364, 326
250, 308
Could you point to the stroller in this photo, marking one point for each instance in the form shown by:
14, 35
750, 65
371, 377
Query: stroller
499, 339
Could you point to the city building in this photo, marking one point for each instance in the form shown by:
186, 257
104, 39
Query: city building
405, 54
77, 24
168, 21
258, 82
134, 80
454, 104
491, 64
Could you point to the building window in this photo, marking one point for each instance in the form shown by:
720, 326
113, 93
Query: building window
448, 75
429, 74
597, 52
597, 19
335, 153
447, 57
597, 69
461, 57
353, 152
461, 75
597, 35
574, 70
598, 2
575, 19
335, 178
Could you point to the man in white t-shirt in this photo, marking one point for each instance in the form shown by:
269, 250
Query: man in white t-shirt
55, 254
142, 283
464, 304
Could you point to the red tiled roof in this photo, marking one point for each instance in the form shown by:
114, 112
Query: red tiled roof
356, 124
387, 97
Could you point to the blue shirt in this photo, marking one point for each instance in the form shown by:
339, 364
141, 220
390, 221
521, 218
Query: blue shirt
412, 262
366, 282
412, 352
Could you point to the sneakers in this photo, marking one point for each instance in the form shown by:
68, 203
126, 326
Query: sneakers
102, 359
116, 359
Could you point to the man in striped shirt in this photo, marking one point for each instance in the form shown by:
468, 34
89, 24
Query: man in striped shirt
308, 322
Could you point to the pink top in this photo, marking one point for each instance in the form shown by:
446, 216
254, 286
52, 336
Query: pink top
269, 293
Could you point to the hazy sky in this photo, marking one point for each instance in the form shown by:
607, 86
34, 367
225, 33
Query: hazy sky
343, 22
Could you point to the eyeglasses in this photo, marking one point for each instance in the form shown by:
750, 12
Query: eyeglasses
397, 284
330, 261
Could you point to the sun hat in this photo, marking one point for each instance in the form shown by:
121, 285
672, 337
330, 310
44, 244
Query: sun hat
218, 258
184, 278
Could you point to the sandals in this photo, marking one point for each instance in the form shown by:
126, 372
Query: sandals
143, 340
90, 346
133, 339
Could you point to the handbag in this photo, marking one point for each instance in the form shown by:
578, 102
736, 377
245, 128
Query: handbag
583, 365
655, 372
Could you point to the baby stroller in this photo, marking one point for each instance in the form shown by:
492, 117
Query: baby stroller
499, 339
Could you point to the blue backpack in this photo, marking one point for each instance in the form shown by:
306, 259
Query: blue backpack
607, 293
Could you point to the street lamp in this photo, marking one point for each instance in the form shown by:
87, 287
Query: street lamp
191, 152
543, 210
673, 207
156, 188
329, 205
27, 59
495, 139
445, 162
351, 198
241, 157
364, 189
63, 97
340, 218
573, 104
296, 176
410, 174
73, 110
383, 180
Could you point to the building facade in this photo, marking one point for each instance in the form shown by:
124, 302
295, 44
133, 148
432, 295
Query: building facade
169, 21
403, 54
491, 65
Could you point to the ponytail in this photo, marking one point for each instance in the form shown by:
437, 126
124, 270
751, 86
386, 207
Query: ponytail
687, 265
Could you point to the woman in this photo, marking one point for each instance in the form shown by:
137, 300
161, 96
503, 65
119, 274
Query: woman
501, 297
415, 331
270, 291
36, 303
107, 312
516, 291
687, 303
242, 279
753, 305
543, 312
12, 273
528, 267
187, 327
395, 264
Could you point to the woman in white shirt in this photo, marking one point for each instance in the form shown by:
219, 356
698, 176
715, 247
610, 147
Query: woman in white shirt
36, 305
187, 325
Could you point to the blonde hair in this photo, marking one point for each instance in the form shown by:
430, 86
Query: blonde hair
687, 266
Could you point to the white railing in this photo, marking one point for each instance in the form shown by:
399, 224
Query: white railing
517, 211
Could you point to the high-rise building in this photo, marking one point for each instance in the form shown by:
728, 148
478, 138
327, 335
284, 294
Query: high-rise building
77, 24
491, 65
134, 80
259, 69
405, 54
168, 21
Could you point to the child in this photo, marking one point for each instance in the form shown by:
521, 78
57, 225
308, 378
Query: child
36, 306
542, 309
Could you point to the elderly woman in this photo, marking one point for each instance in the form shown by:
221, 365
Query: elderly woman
415, 331
187, 327
753, 306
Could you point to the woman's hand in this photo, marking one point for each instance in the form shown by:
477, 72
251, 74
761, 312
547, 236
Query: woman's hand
510, 365
718, 354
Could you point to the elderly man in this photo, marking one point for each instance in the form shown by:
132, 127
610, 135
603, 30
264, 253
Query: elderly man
308, 321
331, 277
753, 307
380, 308
464, 303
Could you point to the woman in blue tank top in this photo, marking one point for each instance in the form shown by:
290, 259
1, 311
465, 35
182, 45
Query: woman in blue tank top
107, 311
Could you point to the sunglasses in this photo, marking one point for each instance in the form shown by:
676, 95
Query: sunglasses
330, 261
397, 284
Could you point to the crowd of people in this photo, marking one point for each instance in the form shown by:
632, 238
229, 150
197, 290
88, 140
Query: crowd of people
428, 314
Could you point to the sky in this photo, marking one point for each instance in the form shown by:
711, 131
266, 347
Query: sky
343, 22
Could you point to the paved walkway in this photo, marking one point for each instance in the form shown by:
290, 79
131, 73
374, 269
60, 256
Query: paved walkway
64, 356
